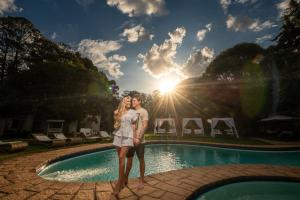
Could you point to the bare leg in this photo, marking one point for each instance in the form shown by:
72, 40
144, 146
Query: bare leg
128, 168
142, 172
121, 153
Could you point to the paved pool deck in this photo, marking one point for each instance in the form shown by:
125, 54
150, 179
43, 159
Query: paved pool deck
19, 180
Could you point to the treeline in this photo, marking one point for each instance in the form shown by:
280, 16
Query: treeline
48, 79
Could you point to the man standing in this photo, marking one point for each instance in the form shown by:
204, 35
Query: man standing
138, 140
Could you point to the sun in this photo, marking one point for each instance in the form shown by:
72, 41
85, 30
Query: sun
167, 86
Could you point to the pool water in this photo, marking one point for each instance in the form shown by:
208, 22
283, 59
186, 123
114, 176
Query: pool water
103, 165
254, 190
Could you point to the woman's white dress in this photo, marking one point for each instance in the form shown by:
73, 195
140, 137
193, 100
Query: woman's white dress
124, 135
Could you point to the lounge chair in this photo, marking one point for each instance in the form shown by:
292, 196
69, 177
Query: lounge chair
44, 139
198, 131
70, 140
13, 146
187, 131
104, 134
88, 136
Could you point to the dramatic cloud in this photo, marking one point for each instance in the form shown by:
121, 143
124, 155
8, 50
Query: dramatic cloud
202, 33
264, 38
85, 3
98, 50
284, 6
139, 7
226, 3
243, 23
159, 60
8, 6
198, 61
137, 33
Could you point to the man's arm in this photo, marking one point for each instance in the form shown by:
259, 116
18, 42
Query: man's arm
140, 134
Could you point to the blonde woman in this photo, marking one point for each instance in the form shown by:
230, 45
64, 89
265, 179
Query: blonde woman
124, 125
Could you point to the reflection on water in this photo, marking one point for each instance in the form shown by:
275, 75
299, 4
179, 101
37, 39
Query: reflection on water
103, 165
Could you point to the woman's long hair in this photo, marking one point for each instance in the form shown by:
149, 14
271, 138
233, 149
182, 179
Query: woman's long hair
120, 111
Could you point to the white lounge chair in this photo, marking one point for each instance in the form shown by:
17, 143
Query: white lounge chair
187, 131
13, 146
70, 140
199, 131
87, 134
44, 139
104, 134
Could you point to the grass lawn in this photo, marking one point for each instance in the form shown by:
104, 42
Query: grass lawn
35, 148
149, 136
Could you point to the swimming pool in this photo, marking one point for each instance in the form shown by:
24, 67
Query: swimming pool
254, 190
103, 165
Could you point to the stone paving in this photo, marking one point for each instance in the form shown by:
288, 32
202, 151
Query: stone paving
18, 179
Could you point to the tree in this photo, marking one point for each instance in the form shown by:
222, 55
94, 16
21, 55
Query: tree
289, 37
57, 81
17, 36
230, 64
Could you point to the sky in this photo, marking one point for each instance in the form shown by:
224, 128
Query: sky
141, 43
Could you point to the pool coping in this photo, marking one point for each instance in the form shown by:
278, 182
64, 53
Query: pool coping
18, 177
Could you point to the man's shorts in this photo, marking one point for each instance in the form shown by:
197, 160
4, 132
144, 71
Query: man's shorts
139, 149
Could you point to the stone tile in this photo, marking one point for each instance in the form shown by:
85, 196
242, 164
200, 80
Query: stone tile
173, 189
103, 195
18, 195
104, 187
131, 198
147, 198
87, 186
70, 188
3, 181
61, 197
40, 187
157, 194
85, 194
146, 190
170, 195
45, 194
125, 192
153, 182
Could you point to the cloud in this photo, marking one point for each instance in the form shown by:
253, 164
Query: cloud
198, 61
98, 50
54, 36
246, 1
159, 60
137, 33
225, 4
8, 6
243, 23
263, 38
139, 7
85, 3
283, 7
202, 33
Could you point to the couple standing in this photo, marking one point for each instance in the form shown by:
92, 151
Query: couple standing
131, 121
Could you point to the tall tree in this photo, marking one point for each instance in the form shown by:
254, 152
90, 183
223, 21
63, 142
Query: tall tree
289, 37
17, 36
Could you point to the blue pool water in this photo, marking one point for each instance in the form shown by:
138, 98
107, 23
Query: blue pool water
103, 165
256, 190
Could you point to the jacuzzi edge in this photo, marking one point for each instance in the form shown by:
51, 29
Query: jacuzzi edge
223, 182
